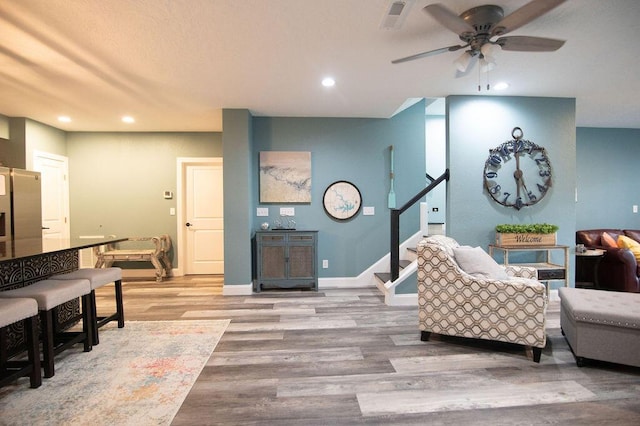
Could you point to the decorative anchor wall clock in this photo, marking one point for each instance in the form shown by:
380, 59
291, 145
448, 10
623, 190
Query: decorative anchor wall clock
518, 172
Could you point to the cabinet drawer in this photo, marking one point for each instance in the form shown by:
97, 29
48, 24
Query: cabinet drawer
551, 274
272, 238
302, 238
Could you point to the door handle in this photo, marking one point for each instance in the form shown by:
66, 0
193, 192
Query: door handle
188, 224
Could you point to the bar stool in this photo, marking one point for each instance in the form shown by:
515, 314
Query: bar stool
11, 312
49, 294
99, 277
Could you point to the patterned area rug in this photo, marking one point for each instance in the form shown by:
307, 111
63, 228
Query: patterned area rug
137, 375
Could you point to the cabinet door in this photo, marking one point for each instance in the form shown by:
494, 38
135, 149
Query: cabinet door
273, 255
302, 262
273, 262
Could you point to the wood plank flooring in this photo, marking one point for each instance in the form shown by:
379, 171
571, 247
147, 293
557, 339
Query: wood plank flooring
341, 357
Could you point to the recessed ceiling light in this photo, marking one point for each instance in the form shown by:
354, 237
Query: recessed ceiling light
64, 119
128, 119
501, 86
328, 82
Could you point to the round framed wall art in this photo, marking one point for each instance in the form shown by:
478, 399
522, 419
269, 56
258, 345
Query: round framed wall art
342, 200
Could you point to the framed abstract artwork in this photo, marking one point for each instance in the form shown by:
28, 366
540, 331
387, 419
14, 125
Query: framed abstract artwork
342, 200
285, 177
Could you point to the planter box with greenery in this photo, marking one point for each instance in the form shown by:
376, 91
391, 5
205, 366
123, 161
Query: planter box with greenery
542, 234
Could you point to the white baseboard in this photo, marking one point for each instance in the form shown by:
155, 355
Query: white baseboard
410, 299
141, 273
237, 290
343, 282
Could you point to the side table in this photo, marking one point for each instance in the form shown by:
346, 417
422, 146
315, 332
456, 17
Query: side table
587, 268
547, 270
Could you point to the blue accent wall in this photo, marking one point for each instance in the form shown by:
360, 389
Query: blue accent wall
356, 150
237, 177
607, 161
476, 124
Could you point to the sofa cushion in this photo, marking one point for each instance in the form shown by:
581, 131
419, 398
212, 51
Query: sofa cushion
606, 240
625, 242
633, 234
475, 261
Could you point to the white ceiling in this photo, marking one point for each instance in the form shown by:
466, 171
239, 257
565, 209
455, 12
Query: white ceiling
174, 64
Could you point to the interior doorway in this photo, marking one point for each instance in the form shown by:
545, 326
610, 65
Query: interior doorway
436, 162
54, 170
200, 216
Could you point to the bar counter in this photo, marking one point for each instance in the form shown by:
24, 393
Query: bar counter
23, 262
26, 261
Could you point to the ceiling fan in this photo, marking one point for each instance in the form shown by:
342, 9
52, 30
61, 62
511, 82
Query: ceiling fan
478, 26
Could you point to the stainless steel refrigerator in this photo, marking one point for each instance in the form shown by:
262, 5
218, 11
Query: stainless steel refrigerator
26, 204
5, 212
20, 204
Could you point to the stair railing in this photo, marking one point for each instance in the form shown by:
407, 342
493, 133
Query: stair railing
395, 224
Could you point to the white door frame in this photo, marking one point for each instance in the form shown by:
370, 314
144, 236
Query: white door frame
66, 231
181, 166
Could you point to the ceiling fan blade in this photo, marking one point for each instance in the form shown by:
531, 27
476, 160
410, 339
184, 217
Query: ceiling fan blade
524, 15
448, 19
428, 53
529, 44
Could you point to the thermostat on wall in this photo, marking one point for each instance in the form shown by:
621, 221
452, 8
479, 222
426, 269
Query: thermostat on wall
168, 195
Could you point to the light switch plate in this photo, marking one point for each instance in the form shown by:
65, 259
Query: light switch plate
368, 211
287, 211
262, 211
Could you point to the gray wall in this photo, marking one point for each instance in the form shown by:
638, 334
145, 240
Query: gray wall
117, 180
607, 178
26, 136
41, 137
356, 150
477, 124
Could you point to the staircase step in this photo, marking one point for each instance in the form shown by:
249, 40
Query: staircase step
404, 263
383, 276
386, 276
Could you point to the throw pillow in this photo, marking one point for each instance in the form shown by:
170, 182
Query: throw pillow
475, 261
632, 245
607, 240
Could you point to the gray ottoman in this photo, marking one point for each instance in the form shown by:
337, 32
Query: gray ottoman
601, 325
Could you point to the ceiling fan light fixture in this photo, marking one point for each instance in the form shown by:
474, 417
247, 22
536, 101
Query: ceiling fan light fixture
463, 61
487, 63
487, 49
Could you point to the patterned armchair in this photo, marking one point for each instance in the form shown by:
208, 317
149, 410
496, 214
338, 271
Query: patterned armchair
455, 303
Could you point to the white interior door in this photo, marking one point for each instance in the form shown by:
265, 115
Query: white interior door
204, 222
54, 170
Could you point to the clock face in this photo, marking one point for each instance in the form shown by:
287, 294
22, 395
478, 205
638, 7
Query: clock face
342, 200
517, 173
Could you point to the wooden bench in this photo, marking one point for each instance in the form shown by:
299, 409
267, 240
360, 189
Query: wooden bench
158, 255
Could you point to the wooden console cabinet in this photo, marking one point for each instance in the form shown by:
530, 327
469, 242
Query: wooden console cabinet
285, 259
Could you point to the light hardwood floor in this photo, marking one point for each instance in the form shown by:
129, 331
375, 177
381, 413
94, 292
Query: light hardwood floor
341, 357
